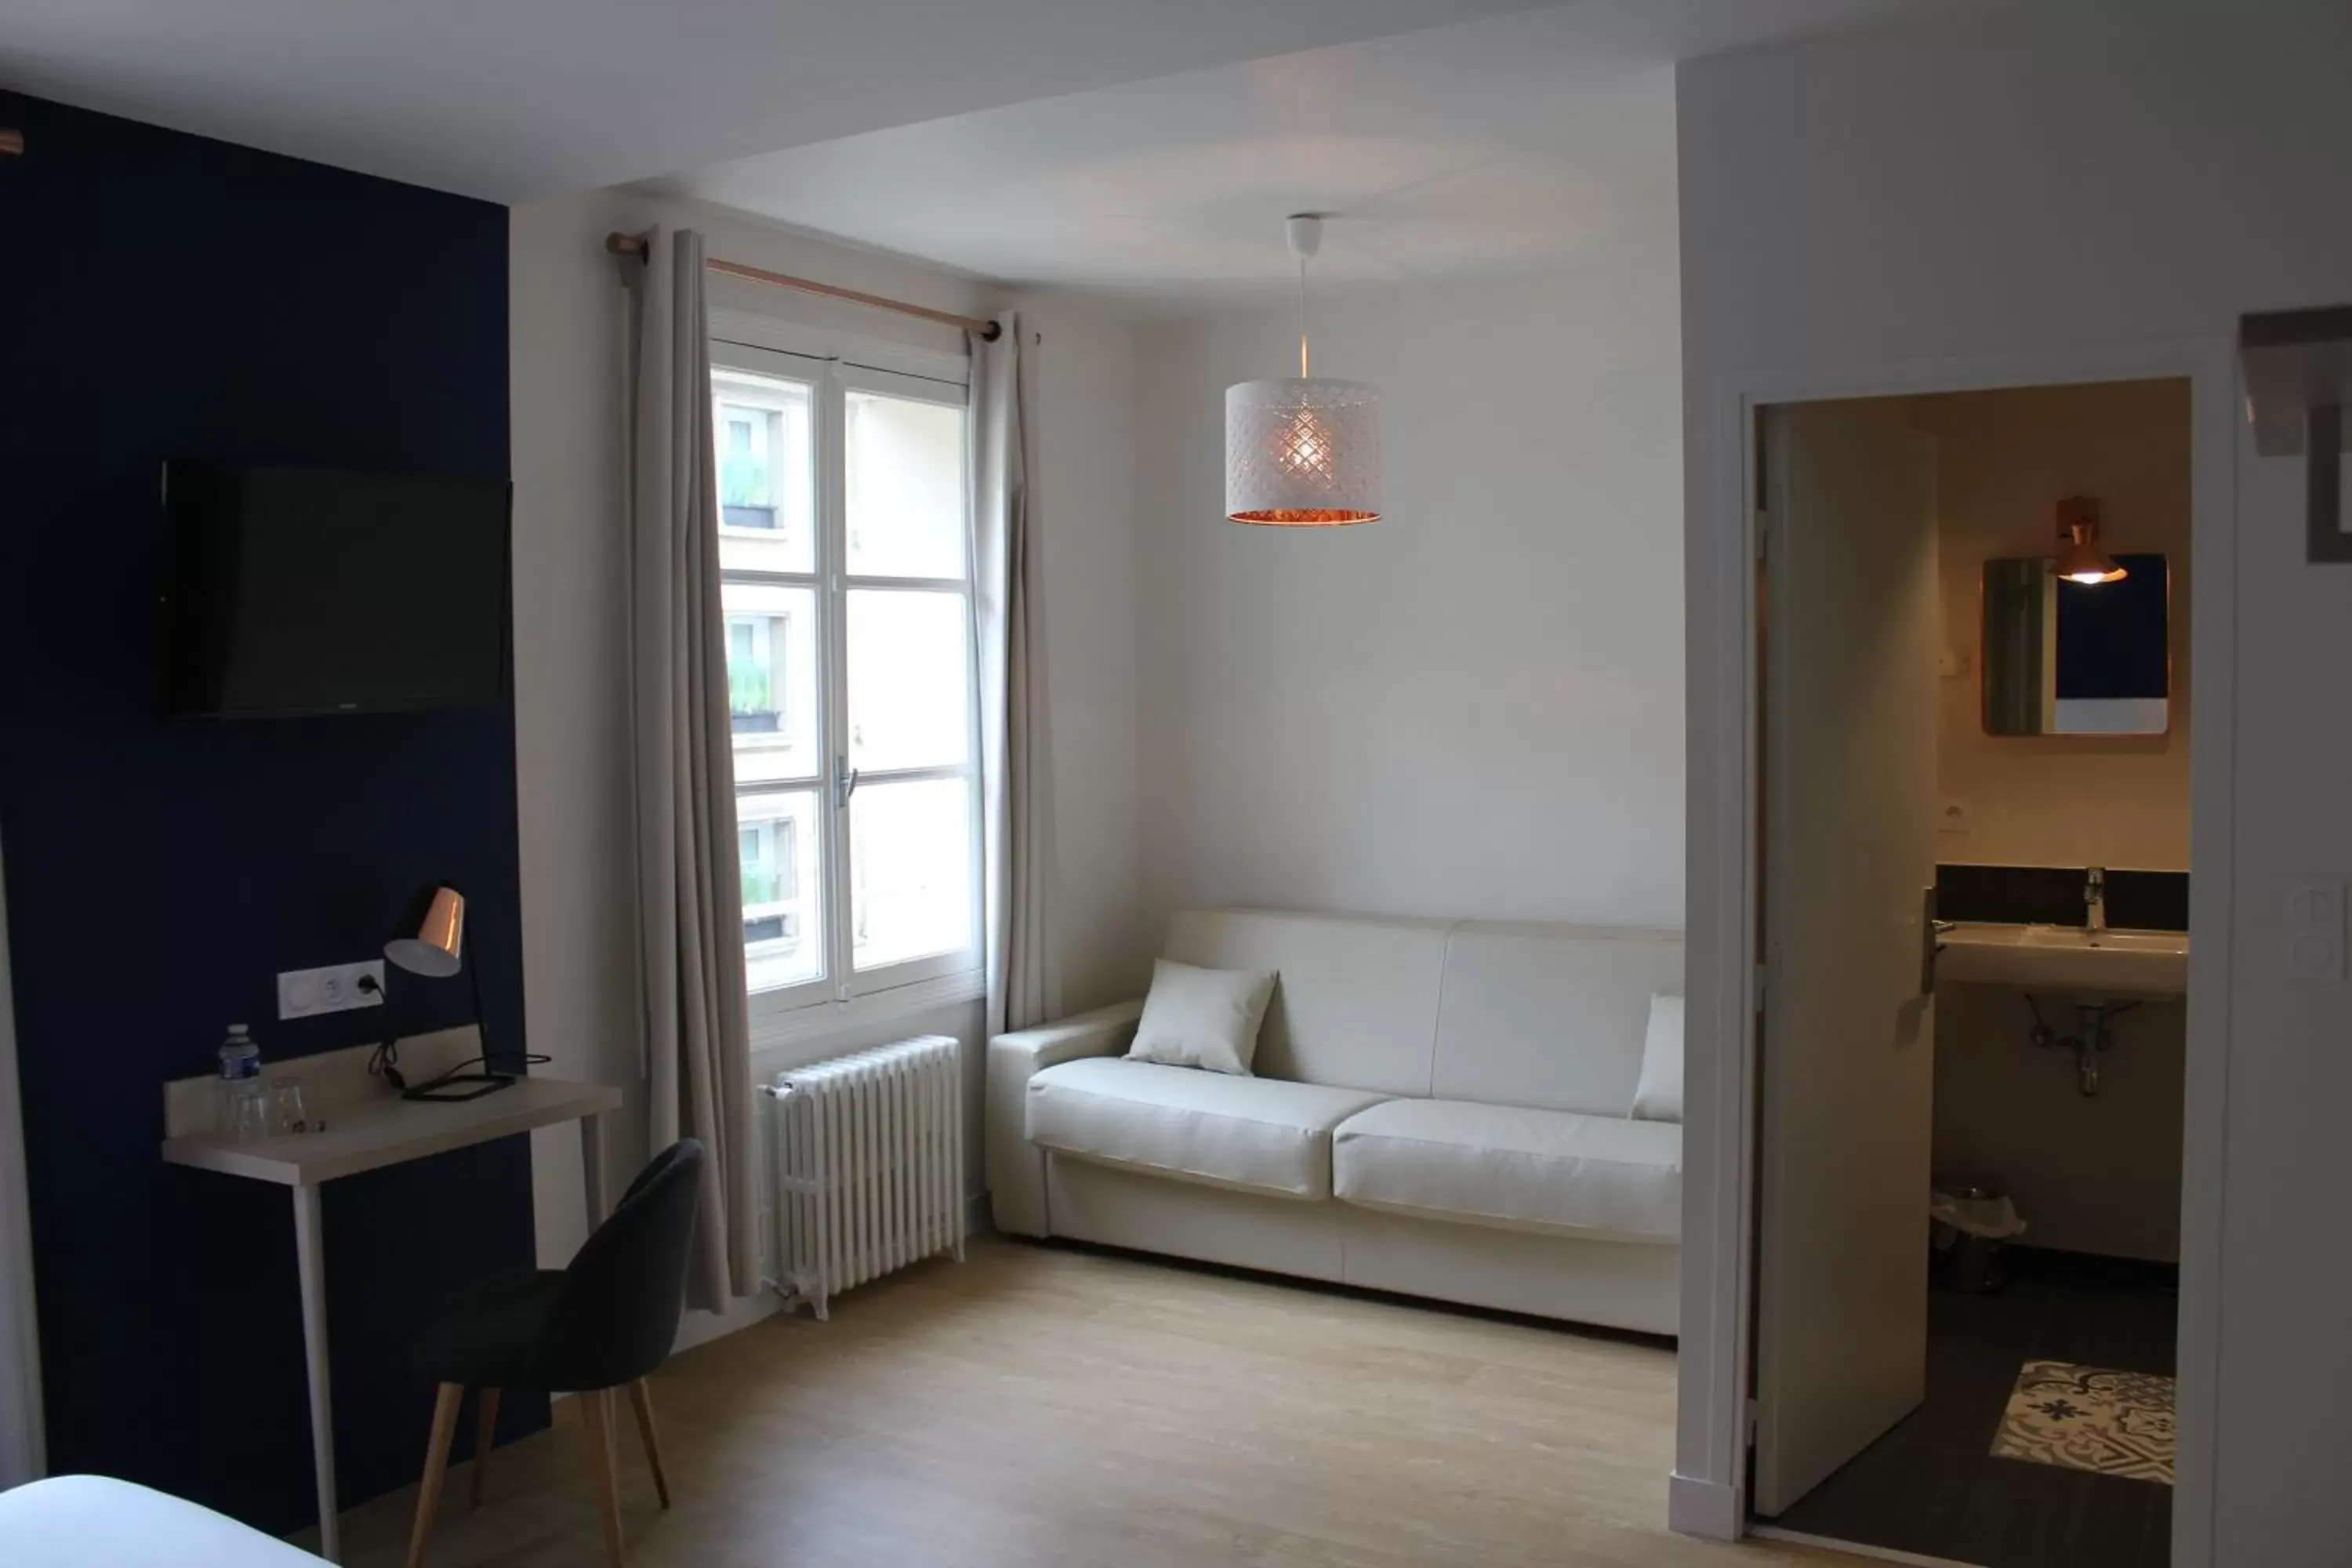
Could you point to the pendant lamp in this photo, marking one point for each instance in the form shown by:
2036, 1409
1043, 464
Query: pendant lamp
2080, 558
1302, 451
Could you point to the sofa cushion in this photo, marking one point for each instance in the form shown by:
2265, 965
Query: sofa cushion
1196, 1017
1259, 1135
1559, 1172
1549, 1015
1356, 1001
1660, 1097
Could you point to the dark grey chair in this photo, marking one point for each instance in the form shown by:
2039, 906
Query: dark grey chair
592, 1329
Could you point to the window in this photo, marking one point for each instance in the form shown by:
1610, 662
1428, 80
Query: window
772, 921
845, 555
766, 505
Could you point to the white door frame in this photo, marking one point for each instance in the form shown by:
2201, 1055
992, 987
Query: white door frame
22, 1455
1709, 1494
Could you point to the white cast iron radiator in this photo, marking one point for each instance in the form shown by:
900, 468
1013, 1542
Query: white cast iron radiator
866, 1155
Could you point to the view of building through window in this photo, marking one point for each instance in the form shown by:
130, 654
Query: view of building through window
845, 557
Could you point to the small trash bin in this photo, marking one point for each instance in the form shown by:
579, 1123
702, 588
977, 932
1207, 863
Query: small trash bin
1971, 1221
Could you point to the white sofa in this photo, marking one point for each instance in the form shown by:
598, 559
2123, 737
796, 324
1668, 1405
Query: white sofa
1440, 1109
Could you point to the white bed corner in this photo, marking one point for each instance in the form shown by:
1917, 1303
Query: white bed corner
92, 1522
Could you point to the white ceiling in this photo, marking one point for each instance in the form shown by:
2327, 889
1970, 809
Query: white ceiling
517, 99
1503, 144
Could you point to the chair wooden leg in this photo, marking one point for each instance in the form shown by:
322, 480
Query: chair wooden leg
641, 1397
485, 1435
436, 1464
596, 1410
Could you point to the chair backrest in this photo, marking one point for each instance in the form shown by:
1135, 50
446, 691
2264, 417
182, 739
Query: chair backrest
618, 1312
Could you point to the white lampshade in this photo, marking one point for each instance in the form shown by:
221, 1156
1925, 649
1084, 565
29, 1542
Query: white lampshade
437, 950
1302, 452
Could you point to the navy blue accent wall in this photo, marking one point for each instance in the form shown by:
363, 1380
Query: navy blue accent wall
164, 295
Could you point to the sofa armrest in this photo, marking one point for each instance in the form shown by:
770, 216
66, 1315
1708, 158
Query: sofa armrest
1017, 1168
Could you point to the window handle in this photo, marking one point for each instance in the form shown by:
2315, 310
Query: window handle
845, 782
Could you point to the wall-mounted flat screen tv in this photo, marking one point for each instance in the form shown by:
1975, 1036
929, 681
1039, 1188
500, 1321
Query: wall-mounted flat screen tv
303, 590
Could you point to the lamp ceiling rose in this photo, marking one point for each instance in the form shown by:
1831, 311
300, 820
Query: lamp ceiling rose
1305, 231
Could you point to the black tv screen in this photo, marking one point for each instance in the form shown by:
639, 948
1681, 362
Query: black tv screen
299, 591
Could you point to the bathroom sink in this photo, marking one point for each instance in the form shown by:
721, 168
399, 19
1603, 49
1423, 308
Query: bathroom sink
2067, 959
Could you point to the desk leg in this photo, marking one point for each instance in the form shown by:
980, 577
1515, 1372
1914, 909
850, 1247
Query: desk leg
311, 1257
592, 1167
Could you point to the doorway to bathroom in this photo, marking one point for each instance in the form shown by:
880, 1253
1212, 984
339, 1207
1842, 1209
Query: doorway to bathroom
1972, 933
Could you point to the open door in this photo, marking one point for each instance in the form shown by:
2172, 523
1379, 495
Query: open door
1847, 1054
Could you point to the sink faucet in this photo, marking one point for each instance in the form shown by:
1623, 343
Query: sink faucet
2095, 894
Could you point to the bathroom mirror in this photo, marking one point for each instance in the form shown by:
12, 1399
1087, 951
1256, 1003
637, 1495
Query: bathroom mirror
2075, 659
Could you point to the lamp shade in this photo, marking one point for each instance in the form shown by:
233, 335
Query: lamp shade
437, 950
1302, 452
2080, 558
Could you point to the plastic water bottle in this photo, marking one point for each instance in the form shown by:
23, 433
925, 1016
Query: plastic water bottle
240, 1071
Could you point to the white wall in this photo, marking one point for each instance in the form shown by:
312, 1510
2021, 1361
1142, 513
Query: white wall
2002, 462
2096, 1173
1473, 707
2114, 185
567, 323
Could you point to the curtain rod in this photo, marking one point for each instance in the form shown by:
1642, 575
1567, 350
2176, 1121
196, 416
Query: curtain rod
633, 245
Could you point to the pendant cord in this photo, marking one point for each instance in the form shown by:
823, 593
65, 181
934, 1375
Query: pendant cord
1302, 318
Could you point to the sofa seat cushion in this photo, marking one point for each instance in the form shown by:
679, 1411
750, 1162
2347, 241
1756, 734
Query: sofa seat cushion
1557, 1171
1258, 1134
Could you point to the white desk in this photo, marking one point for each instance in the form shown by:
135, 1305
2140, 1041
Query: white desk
368, 1127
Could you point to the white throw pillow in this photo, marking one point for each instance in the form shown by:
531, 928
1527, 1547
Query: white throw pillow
1201, 1017
1660, 1098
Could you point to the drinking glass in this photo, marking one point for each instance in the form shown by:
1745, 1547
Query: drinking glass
249, 1112
286, 1113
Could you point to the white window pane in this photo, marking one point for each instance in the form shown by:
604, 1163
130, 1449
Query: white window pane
909, 691
766, 472
783, 901
905, 487
911, 867
771, 681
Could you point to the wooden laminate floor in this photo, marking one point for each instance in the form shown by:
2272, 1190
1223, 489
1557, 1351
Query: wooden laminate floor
1043, 1407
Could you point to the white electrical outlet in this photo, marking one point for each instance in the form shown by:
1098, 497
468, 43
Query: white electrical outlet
2315, 932
1954, 816
307, 992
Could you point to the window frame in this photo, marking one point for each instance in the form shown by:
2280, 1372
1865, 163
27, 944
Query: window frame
774, 438
834, 784
773, 627
783, 846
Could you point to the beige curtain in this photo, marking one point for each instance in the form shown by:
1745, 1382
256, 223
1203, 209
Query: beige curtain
1015, 759
689, 894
